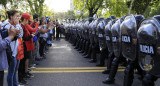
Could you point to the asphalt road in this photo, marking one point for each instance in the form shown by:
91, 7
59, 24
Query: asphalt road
64, 66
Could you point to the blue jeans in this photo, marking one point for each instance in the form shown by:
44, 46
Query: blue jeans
12, 72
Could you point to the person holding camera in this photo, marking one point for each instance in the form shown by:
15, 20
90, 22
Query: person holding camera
35, 52
28, 35
3, 46
13, 23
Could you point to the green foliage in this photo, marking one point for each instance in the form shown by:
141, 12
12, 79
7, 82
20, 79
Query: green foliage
46, 11
91, 6
4, 3
36, 6
155, 10
117, 8
142, 6
85, 8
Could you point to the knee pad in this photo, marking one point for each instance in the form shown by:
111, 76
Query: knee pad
115, 61
129, 69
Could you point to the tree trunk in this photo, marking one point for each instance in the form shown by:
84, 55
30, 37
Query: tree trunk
91, 13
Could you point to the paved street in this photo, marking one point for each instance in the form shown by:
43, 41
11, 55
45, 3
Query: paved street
65, 66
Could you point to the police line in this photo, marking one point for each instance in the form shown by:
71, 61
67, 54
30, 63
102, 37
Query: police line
131, 38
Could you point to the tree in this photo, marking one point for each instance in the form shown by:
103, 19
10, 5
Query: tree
91, 6
154, 10
141, 6
117, 8
70, 14
36, 6
46, 11
4, 3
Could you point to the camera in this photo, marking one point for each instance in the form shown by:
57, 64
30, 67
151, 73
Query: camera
4, 33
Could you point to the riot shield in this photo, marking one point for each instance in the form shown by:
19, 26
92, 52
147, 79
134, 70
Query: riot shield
116, 38
149, 45
128, 30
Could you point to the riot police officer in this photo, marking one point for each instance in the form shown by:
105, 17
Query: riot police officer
149, 49
79, 38
94, 43
102, 41
90, 40
109, 44
86, 34
116, 45
129, 29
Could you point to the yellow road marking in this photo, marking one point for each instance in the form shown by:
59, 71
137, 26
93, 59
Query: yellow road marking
71, 71
72, 68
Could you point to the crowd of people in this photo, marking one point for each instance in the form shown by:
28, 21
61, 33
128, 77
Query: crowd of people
24, 42
131, 42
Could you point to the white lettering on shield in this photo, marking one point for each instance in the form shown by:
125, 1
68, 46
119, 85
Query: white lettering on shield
146, 49
126, 39
114, 39
100, 35
107, 38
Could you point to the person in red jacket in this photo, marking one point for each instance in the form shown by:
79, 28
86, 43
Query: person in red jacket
29, 33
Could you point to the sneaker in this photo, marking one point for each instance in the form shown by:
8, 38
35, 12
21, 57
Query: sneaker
34, 64
29, 69
31, 75
33, 67
22, 82
27, 77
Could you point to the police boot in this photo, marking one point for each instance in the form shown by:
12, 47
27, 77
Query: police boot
101, 64
113, 71
109, 63
89, 52
92, 61
149, 80
77, 44
80, 45
84, 54
102, 58
88, 55
83, 47
129, 75
93, 56
86, 48
75, 41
